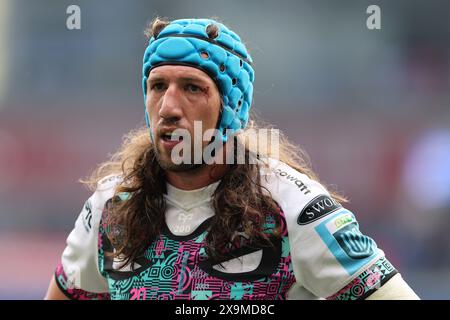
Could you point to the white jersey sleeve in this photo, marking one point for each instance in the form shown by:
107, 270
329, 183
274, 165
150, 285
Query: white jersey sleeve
327, 248
79, 267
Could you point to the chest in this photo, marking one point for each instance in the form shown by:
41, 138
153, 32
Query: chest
178, 268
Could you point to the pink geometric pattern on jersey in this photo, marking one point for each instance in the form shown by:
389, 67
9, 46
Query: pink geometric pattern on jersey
367, 282
173, 270
72, 293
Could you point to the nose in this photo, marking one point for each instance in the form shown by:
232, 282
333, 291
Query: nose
171, 107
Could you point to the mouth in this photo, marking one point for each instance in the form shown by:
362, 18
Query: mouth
169, 140
172, 137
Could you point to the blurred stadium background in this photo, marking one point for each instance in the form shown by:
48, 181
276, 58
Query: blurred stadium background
371, 108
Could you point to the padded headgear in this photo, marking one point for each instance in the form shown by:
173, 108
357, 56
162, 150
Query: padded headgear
224, 58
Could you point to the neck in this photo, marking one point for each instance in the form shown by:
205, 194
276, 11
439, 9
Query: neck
198, 178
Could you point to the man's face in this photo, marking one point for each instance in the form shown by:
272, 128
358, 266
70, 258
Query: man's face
176, 97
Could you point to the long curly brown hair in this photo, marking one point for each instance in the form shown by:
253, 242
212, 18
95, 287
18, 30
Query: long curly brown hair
240, 201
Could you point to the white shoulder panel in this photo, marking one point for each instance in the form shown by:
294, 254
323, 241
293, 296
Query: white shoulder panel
327, 248
80, 257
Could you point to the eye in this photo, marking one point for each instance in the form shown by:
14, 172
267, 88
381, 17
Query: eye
157, 86
192, 88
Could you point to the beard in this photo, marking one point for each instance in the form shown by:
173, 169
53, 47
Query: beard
167, 164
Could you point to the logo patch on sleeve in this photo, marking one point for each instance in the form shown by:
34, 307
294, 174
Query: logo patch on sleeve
317, 208
342, 236
346, 232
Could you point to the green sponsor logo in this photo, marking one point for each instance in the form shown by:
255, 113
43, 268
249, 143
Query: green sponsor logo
341, 221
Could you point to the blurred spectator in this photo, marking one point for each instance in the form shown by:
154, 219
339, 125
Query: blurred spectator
426, 201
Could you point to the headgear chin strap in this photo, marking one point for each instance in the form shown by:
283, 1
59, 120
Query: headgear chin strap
224, 58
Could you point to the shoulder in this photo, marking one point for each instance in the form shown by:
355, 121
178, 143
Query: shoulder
94, 206
295, 191
105, 190
327, 248
109, 182
80, 257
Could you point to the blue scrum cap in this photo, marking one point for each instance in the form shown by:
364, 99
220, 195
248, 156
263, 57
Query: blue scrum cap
224, 58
